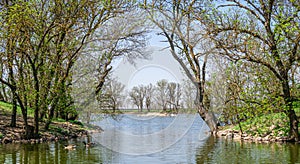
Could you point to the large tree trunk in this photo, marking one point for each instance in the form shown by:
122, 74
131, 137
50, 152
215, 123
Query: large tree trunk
29, 130
36, 105
208, 116
293, 133
293, 119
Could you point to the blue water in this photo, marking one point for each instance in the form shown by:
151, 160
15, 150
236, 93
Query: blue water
133, 139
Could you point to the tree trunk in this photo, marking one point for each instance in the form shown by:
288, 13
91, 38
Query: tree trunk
88, 117
293, 119
29, 130
164, 108
14, 98
36, 122
1, 96
13, 121
51, 113
4, 95
293, 133
36, 106
208, 116
48, 122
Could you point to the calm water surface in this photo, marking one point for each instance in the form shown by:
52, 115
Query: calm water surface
134, 139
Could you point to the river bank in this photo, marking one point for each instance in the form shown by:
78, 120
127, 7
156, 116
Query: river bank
59, 130
154, 114
230, 133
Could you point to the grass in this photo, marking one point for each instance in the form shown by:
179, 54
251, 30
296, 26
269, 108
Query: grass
6, 108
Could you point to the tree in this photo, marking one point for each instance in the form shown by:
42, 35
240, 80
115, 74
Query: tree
134, 96
122, 37
189, 92
161, 94
174, 96
137, 95
112, 95
176, 20
46, 40
149, 96
263, 32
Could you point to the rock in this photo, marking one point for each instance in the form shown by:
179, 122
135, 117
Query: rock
32, 141
259, 139
6, 140
244, 135
236, 131
247, 138
281, 133
237, 137
267, 138
285, 138
229, 136
17, 141
278, 139
16, 136
272, 127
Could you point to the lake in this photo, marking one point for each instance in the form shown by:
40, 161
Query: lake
152, 139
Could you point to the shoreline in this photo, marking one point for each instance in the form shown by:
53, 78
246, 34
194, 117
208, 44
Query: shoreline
236, 135
155, 114
58, 131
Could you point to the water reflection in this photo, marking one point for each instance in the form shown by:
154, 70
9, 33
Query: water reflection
217, 150
194, 147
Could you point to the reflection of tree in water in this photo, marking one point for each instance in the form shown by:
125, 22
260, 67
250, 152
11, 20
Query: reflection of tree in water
216, 150
204, 153
294, 151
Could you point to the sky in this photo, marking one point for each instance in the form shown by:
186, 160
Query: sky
161, 65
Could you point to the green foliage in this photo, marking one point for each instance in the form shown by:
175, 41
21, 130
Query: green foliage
7, 108
59, 120
275, 124
55, 130
76, 122
1, 135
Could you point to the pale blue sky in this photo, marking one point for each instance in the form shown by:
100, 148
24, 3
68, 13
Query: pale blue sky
161, 66
151, 74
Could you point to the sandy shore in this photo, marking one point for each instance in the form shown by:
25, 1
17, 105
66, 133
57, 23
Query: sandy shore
152, 114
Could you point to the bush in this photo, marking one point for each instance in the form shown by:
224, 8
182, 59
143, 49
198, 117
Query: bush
261, 126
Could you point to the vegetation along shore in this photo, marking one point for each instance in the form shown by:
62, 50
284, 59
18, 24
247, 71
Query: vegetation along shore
59, 129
